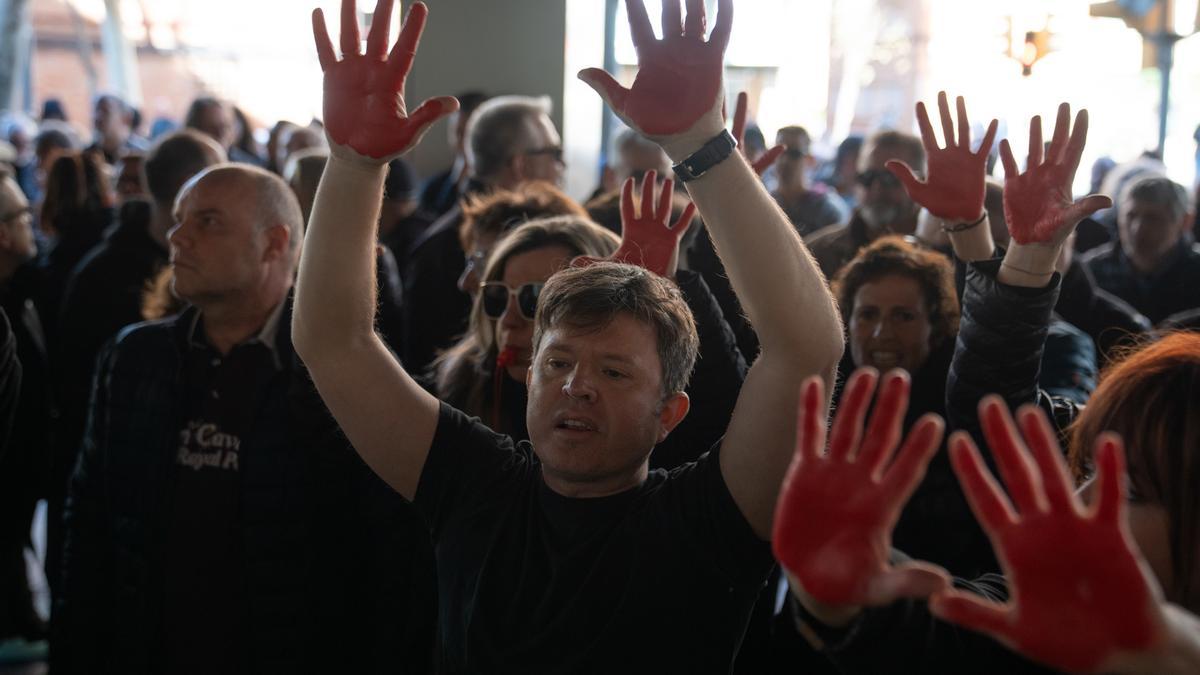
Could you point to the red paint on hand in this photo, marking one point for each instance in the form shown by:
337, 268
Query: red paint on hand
1037, 202
647, 238
836, 511
364, 107
1080, 592
954, 185
679, 77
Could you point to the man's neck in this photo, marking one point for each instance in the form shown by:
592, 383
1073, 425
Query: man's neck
591, 489
228, 324
791, 191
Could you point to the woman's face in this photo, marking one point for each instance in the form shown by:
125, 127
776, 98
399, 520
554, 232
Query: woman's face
513, 330
889, 325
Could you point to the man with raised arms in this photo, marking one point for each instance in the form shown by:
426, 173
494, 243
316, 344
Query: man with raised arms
568, 554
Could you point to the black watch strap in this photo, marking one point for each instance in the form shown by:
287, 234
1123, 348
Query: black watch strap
709, 155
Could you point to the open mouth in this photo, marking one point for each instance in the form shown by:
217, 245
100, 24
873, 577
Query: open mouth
575, 425
885, 359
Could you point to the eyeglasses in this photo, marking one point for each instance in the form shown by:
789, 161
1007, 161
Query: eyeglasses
555, 152
870, 176
495, 295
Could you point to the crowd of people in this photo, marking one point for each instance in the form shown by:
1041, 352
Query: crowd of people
293, 409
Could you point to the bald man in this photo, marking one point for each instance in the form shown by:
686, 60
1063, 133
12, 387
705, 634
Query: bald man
217, 521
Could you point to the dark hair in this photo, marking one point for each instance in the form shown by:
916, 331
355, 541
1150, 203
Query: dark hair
1154, 189
197, 108
908, 144
589, 298
401, 183
895, 255
847, 149
77, 191
499, 211
1151, 398
175, 158
52, 137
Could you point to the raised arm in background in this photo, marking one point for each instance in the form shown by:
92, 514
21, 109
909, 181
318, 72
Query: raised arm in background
676, 100
387, 416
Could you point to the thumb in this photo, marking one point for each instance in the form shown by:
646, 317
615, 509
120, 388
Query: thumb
971, 611
768, 158
1082, 208
427, 113
604, 85
908, 580
905, 173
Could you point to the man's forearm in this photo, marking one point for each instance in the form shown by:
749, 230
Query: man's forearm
335, 290
776, 280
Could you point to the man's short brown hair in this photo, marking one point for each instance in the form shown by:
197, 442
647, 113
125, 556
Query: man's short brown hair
589, 298
497, 212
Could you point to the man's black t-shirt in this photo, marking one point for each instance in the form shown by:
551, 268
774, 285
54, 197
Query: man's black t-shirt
660, 578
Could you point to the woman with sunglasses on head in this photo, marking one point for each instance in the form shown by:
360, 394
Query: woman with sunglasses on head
484, 374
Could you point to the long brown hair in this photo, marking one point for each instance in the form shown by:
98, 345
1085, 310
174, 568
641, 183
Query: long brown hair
1152, 399
77, 190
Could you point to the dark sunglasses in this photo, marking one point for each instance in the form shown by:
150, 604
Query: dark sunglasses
554, 151
494, 296
870, 176
794, 153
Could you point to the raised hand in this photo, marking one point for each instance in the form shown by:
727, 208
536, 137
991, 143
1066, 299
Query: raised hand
1037, 203
1082, 597
953, 189
836, 512
676, 97
768, 158
647, 238
364, 105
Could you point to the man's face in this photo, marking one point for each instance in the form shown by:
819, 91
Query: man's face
217, 122
883, 202
217, 249
542, 158
596, 405
1148, 230
792, 163
514, 330
110, 121
890, 327
16, 223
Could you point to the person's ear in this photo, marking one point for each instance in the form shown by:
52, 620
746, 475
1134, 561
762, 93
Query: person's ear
519, 166
674, 409
1186, 222
279, 238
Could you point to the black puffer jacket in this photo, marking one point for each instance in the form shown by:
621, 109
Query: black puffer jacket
339, 569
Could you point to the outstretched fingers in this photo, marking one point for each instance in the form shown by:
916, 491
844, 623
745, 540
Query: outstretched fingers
647, 209
401, 59
984, 495
720, 33
768, 158
694, 22
1021, 479
851, 414
429, 112
380, 32
1110, 479
1010, 163
947, 120
606, 87
913, 579
1078, 140
1058, 142
663, 213
985, 146
325, 54
810, 436
639, 23
970, 611
681, 226
887, 418
928, 139
672, 19
349, 38
627, 210
906, 472
1035, 142
904, 173
1047, 455
964, 126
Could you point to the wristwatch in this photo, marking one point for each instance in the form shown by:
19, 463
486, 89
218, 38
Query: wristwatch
709, 155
